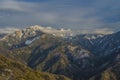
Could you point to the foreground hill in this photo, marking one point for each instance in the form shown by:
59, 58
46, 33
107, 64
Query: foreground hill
11, 70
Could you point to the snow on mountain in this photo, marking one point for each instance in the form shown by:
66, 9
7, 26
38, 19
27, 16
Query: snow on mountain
56, 32
99, 44
88, 52
27, 42
36, 30
93, 36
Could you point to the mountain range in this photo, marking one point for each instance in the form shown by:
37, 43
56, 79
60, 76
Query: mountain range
60, 55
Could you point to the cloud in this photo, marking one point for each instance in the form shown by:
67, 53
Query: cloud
77, 14
10, 4
8, 30
103, 31
95, 31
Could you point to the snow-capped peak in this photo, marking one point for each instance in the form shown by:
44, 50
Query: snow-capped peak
49, 30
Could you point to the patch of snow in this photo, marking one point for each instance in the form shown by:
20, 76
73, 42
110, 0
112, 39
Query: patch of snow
27, 42
93, 37
62, 29
86, 37
84, 55
100, 35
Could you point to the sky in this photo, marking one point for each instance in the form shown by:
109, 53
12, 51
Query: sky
83, 15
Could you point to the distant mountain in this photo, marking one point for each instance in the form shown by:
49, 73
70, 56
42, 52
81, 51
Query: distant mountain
80, 57
98, 44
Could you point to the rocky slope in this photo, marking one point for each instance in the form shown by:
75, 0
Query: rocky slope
81, 57
11, 70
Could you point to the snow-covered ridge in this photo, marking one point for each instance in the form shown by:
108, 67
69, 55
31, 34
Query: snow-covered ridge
56, 32
93, 36
32, 30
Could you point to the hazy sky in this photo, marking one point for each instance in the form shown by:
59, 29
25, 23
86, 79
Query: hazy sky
75, 14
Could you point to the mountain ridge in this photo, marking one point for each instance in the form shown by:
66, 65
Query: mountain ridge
77, 57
